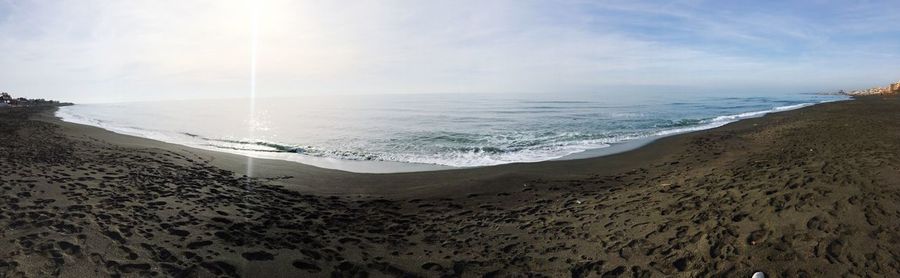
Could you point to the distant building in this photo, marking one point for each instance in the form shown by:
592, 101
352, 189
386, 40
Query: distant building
6, 100
893, 88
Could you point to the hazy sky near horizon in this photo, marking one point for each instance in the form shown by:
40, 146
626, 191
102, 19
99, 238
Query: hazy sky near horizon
93, 50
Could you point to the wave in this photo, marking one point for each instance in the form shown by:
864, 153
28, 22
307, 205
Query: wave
723, 120
517, 149
65, 114
680, 123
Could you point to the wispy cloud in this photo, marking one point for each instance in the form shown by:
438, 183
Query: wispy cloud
123, 50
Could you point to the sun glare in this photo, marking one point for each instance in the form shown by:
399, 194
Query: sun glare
254, 28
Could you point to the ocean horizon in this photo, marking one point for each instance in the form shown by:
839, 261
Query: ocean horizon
405, 133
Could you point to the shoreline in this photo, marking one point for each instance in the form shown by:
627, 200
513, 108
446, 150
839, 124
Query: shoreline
392, 167
423, 184
463, 181
811, 192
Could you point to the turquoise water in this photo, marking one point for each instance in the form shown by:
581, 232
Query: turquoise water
460, 130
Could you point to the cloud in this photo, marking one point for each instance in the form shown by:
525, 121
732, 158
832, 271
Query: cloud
132, 50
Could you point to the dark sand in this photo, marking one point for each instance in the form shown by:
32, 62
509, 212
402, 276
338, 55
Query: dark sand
813, 192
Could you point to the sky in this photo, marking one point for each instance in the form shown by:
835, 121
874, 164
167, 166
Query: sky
110, 51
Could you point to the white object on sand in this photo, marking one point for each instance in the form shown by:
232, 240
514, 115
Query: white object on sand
759, 274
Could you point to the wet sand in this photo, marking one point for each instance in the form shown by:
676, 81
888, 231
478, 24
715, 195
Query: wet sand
813, 192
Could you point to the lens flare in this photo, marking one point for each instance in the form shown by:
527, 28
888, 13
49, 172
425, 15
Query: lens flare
254, 26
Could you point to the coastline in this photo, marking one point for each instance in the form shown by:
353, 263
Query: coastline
373, 164
460, 181
806, 192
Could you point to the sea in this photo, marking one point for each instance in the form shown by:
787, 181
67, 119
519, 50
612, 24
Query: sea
402, 133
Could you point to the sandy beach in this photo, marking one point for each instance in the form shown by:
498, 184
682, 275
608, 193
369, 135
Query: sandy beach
813, 192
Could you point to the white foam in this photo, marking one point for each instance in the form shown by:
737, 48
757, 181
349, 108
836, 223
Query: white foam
475, 158
66, 114
723, 120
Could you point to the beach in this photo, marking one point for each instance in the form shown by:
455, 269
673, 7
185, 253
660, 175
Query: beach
812, 192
